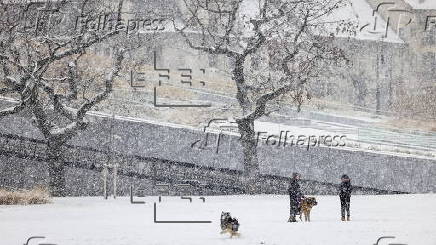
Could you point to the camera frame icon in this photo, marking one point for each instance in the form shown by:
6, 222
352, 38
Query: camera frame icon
37, 237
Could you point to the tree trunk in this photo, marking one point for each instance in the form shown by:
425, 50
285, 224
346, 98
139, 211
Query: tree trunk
56, 170
251, 163
378, 99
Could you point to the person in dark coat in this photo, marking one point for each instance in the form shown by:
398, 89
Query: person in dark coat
295, 197
345, 190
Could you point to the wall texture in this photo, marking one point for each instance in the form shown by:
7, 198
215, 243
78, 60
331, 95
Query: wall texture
169, 143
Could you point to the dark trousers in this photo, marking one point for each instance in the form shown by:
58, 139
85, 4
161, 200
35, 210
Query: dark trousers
345, 205
294, 211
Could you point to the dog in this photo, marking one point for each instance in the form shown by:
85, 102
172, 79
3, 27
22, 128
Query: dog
306, 206
229, 225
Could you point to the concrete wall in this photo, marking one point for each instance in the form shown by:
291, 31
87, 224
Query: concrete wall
322, 164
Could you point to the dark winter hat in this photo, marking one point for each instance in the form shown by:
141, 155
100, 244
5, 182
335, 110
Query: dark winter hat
295, 175
344, 176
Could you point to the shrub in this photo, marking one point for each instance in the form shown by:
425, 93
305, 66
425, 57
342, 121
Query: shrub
37, 195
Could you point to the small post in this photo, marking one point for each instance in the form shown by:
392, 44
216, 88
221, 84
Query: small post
105, 173
115, 173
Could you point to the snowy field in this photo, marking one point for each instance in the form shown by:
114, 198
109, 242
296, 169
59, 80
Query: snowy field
94, 221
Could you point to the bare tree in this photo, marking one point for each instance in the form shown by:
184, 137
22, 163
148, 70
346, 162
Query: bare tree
292, 38
359, 82
44, 67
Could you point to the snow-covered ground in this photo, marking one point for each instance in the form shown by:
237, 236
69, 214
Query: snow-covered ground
92, 220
